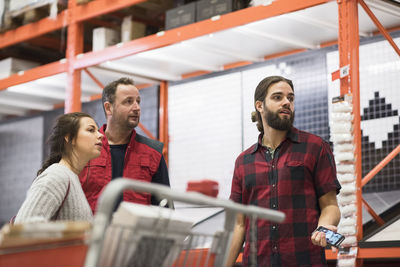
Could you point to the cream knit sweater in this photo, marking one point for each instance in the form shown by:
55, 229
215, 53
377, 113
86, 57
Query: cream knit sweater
46, 194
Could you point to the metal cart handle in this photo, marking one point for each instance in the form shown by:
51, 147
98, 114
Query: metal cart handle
114, 189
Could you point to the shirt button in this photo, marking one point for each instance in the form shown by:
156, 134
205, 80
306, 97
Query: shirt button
275, 248
274, 206
273, 185
273, 227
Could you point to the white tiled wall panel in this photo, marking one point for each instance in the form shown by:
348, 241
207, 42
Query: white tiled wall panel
205, 131
380, 107
379, 72
21, 152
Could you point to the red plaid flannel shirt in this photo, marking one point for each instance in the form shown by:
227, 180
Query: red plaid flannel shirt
301, 171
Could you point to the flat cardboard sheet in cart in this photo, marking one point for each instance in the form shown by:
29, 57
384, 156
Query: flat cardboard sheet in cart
139, 233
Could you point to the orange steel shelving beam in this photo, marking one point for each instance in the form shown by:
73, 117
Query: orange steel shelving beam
76, 14
380, 165
348, 42
396, 151
34, 74
370, 253
376, 217
96, 81
101, 7
379, 26
74, 47
33, 30
60, 67
163, 118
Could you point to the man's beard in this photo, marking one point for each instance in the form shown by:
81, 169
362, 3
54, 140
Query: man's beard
276, 122
125, 123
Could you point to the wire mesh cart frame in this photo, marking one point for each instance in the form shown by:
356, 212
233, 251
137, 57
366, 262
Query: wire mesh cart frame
109, 197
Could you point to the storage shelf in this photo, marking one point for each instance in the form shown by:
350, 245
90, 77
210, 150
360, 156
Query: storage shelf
157, 44
370, 253
63, 19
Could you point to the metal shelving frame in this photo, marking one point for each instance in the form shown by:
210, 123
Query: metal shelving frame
75, 15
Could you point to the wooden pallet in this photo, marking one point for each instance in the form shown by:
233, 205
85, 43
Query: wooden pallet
31, 13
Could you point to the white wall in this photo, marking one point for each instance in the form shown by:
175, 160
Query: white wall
205, 130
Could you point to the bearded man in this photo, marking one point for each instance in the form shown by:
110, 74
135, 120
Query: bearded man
287, 170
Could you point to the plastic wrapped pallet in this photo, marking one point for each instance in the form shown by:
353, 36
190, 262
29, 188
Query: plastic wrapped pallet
24, 12
17, 6
343, 149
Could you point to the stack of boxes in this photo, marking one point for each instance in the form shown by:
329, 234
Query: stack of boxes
176, 17
201, 10
104, 37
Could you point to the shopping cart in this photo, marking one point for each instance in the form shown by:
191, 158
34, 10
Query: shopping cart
163, 242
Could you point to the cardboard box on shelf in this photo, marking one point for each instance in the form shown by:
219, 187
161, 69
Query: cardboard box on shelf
9, 66
104, 37
180, 16
131, 30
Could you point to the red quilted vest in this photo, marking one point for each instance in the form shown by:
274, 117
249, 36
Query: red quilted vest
141, 162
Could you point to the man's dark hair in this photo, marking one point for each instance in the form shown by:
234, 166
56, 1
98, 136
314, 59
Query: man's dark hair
110, 89
260, 94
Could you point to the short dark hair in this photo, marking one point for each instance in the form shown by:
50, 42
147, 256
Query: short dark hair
66, 125
110, 89
260, 94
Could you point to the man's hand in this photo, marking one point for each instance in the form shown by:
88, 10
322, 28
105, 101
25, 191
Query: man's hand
318, 238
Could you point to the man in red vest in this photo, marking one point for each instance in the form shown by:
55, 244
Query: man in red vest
124, 153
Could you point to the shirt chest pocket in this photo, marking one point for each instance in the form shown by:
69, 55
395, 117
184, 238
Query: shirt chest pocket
140, 169
301, 178
98, 169
296, 170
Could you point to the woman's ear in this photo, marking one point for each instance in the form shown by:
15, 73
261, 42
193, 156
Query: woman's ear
66, 138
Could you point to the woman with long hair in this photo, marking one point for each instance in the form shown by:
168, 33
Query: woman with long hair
56, 193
